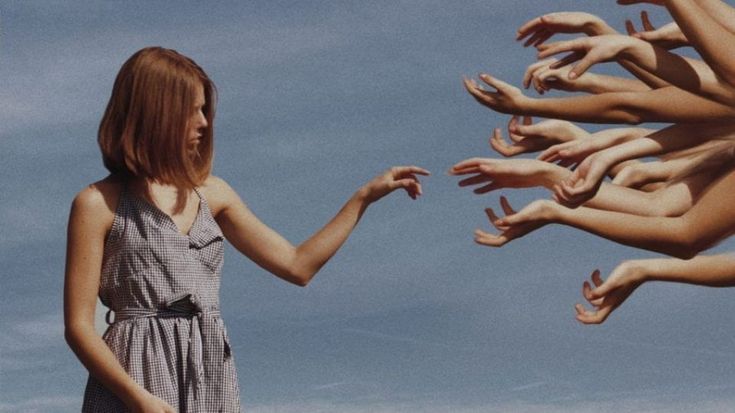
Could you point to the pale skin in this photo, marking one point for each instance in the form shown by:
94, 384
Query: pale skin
605, 296
689, 74
92, 215
667, 104
486, 175
582, 184
710, 220
542, 28
668, 36
527, 136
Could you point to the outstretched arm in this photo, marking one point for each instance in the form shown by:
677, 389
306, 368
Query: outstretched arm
299, 264
491, 174
582, 184
668, 104
607, 295
689, 74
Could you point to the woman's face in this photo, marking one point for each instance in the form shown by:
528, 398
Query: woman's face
197, 122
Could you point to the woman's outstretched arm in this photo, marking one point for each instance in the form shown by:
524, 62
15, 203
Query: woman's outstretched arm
299, 264
90, 220
607, 295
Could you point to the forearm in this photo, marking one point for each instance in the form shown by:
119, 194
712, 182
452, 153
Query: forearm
720, 11
689, 74
101, 363
598, 83
313, 253
667, 235
711, 271
667, 104
714, 41
647, 78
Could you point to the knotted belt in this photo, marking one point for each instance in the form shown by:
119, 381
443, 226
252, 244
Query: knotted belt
208, 346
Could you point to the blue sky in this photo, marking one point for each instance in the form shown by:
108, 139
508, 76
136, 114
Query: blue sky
315, 99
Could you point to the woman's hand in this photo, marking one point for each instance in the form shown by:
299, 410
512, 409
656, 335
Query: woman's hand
494, 174
668, 36
392, 179
516, 224
149, 403
541, 28
587, 51
610, 294
506, 99
629, 2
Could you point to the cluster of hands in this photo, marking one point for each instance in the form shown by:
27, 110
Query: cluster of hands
559, 143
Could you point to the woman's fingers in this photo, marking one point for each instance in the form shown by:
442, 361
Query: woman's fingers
647, 26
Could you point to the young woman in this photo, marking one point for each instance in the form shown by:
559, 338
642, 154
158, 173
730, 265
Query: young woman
149, 240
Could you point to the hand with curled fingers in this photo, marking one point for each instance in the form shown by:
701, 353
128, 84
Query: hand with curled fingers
544, 76
583, 183
588, 51
668, 36
492, 174
516, 224
527, 137
505, 99
394, 178
542, 28
609, 294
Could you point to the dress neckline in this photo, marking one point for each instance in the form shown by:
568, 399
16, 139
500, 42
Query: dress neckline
167, 218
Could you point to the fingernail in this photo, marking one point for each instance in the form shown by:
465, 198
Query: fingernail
572, 75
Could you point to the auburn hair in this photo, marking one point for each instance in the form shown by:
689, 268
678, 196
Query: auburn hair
144, 129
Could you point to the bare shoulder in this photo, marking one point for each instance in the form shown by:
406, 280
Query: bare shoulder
219, 194
97, 202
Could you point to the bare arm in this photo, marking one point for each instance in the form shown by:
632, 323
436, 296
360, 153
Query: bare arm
89, 222
689, 74
668, 104
299, 264
608, 295
713, 37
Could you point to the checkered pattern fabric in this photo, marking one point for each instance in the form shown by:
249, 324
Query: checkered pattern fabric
163, 287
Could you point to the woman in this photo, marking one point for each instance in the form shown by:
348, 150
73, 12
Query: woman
149, 240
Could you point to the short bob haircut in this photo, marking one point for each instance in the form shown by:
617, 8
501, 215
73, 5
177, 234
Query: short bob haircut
143, 131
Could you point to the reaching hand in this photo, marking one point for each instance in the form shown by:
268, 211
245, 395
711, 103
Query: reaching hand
515, 224
608, 295
583, 183
493, 174
392, 179
668, 36
529, 137
587, 51
506, 98
541, 28
544, 75
572, 152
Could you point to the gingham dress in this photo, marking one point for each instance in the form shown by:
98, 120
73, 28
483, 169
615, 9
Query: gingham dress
163, 287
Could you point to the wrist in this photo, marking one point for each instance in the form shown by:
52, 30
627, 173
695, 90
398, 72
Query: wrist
553, 175
639, 271
596, 27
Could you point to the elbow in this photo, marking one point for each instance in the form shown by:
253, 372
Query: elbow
299, 276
